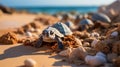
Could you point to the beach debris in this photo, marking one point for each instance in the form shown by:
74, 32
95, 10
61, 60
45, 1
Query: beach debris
101, 17
9, 38
97, 60
30, 63
54, 33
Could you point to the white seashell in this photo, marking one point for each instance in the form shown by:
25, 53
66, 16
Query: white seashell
94, 42
95, 34
66, 52
96, 60
29, 34
31, 30
29, 63
86, 44
114, 34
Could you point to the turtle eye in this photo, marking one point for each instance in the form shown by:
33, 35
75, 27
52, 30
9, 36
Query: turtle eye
51, 32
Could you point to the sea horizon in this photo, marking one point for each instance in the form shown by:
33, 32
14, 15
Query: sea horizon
57, 9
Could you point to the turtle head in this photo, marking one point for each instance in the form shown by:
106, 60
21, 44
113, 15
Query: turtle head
48, 34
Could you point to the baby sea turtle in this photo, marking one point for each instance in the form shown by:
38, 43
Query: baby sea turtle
101, 17
54, 33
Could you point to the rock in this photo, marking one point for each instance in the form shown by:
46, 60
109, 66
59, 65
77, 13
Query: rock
114, 34
112, 11
66, 52
30, 63
97, 60
77, 53
5, 9
9, 38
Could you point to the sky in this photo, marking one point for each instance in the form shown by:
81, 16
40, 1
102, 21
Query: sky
13, 3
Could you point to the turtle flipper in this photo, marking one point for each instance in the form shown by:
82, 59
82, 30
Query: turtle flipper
39, 42
59, 41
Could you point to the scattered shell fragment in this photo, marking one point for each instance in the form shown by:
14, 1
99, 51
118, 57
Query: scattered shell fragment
29, 63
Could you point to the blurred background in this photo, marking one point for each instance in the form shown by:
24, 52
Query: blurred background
56, 6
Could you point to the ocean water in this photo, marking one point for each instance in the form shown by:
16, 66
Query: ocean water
53, 10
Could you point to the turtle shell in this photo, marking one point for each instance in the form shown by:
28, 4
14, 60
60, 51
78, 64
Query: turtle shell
55, 31
101, 17
86, 22
62, 28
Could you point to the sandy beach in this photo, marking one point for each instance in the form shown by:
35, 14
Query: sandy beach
35, 38
14, 55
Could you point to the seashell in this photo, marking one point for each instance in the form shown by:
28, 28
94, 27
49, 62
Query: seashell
96, 60
94, 42
31, 30
30, 63
86, 44
95, 34
29, 34
114, 34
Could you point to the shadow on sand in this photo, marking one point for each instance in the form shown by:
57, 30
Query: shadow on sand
21, 50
